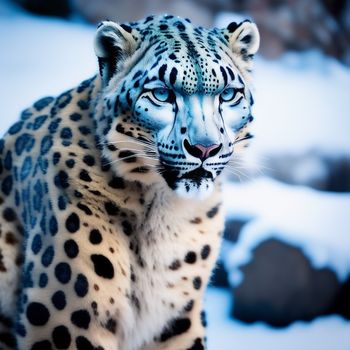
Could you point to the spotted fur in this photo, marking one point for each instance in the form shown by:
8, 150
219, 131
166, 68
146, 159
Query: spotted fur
110, 200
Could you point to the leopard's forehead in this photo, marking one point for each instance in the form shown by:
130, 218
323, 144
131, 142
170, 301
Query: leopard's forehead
188, 58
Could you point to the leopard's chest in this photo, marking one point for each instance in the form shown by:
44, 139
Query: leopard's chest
171, 261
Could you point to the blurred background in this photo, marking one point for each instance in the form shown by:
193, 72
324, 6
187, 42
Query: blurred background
283, 278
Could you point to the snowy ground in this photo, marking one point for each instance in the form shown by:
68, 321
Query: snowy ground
326, 333
320, 226
301, 104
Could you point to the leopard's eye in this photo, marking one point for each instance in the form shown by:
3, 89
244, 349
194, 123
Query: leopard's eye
228, 95
161, 94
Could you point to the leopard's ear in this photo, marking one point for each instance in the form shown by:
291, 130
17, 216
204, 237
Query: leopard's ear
114, 44
244, 41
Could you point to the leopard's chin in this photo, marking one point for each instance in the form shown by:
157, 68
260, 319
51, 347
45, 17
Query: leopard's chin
194, 189
195, 184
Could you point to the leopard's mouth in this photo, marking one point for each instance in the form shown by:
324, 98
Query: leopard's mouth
197, 174
190, 183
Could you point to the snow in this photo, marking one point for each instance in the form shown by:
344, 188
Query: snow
317, 222
301, 105
326, 333
42, 58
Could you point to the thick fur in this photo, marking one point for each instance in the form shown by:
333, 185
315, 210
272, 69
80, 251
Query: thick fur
110, 197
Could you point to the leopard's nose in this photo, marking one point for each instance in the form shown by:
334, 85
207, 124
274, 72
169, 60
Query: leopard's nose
202, 151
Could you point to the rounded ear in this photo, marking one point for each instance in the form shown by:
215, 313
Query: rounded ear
114, 44
244, 41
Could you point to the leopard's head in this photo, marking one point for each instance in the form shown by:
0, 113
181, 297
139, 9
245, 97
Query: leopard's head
175, 100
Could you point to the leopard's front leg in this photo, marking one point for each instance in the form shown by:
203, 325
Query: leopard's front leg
74, 286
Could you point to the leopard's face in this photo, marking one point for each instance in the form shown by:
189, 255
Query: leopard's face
178, 113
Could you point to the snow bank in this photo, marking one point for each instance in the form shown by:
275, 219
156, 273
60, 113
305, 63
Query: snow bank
325, 333
42, 57
317, 222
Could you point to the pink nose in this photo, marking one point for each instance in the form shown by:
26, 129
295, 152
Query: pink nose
200, 151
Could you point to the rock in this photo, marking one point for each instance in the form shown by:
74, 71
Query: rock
341, 304
132, 10
219, 277
280, 286
233, 228
296, 25
59, 8
313, 169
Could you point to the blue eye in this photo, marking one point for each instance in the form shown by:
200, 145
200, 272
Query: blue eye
161, 94
228, 94
164, 95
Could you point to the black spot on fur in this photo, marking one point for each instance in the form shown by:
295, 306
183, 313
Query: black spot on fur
81, 318
247, 39
61, 337
111, 325
205, 251
71, 248
161, 72
117, 182
203, 319
127, 228
176, 327
111, 208
61, 180
70, 163
102, 265
126, 28
84, 175
175, 265
95, 236
83, 344
135, 301
63, 272
42, 103
42, 345
84, 208
224, 74
232, 27
197, 345
127, 156
73, 223
9, 214
59, 300
197, 283
212, 212
89, 160
37, 314
189, 306
191, 257
173, 75
81, 285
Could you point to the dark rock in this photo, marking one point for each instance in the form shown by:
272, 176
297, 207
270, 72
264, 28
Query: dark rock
59, 8
131, 10
233, 228
342, 302
219, 277
280, 286
313, 169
